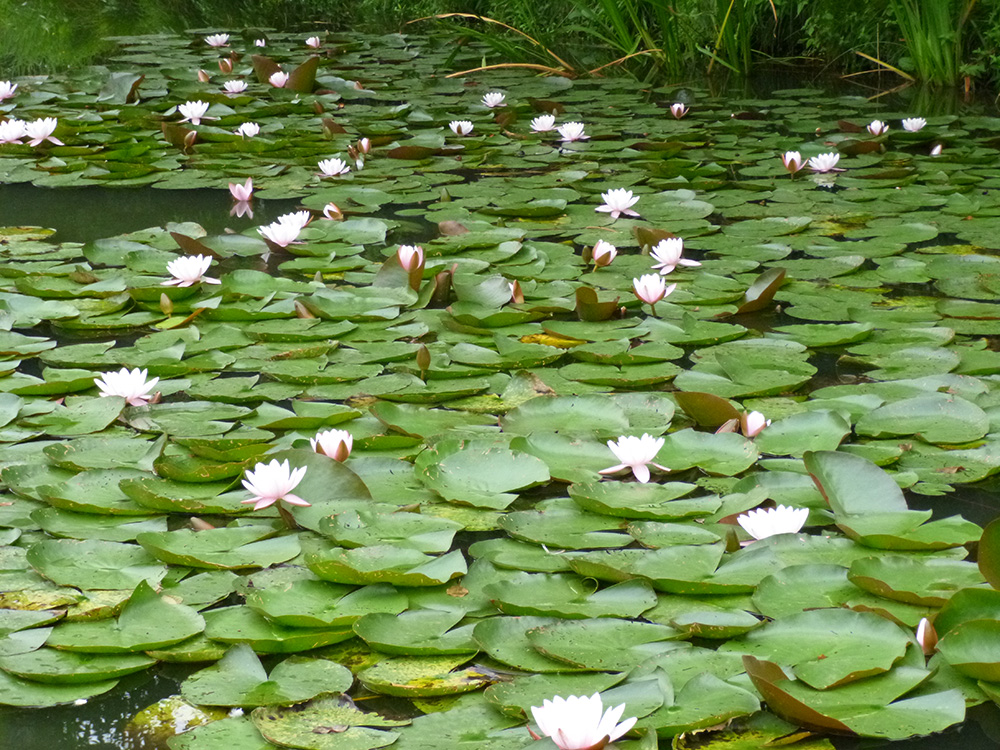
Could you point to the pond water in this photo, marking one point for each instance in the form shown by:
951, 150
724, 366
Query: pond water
478, 551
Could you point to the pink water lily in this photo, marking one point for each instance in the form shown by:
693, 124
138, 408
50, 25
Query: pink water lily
678, 110
42, 130
603, 253
651, 288
667, 254
130, 385
278, 79
618, 202
189, 270
635, 453
753, 423
877, 127
269, 483
579, 722
242, 192
411, 257
314, 42
7, 90
336, 444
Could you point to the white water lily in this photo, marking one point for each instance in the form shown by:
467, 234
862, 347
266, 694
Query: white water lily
792, 161
603, 253
42, 130
579, 722
913, 124
824, 162
635, 453
493, 99
248, 129
235, 87
877, 127
189, 270
194, 112
333, 167
297, 219
259, 42
572, 131
410, 257
217, 40
936, 149
753, 423
460, 127
313, 42
336, 444
543, 123
678, 110
130, 385
242, 192
762, 523
617, 202
7, 90
280, 233
269, 483
331, 212
278, 79
12, 130
651, 288
667, 254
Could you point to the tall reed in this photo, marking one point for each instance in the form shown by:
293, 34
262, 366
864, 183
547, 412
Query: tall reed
933, 32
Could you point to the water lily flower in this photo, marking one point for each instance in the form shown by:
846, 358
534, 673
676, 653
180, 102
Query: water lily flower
278, 79
235, 87
194, 112
365, 145
824, 162
259, 42
761, 523
313, 42
667, 254
331, 212
926, 636
678, 110
603, 253
617, 202
12, 130
792, 161
280, 233
248, 129
217, 40
460, 127
242, 192
336, 444
189, 270
651, 288
333, 167
269, 483
410, 257
936, 149
41, 130
241, 209
7, 90
579, 722
877, 127
130, 385
572, 131
543, 123
753, 423
493, 99
913, 124
635, 453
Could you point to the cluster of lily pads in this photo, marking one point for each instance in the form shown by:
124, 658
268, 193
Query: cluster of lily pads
423, 382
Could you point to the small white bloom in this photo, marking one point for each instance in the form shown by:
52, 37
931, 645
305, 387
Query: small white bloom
278, 79
365, 145
913, 124
603, 253
543, 123
336, 444
877, 127
7, 90
753, 423
189, 270
460, 127
761, 523
298, 219
130, 385
678, 110
194, 112
217, 40
331, 212
936, 149
313, 42
12, 130
41, 130
635, 453
281, 234
259, 42
410, 257
493, 99
269, 483
242, 192
651, 288
572, 131
824, 162
235, 87
667, 254
617, 202
333, 167
579, 722
248, 129
792, 161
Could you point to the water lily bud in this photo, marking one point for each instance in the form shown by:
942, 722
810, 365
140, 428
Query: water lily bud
603, 253
792, 161
516, 295
190, 138
753, 423
203, 76
927, 636
225, 65
411, 257
336, 444
678, 110
331, 212
423, 360
166, 304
